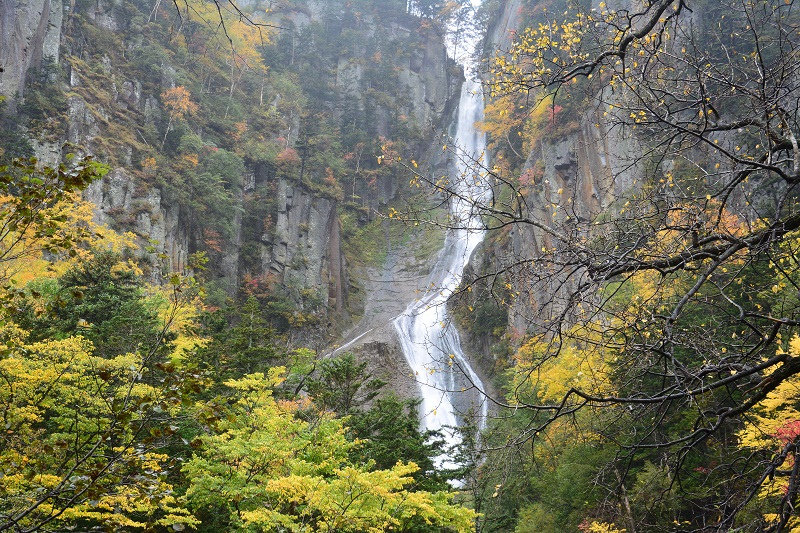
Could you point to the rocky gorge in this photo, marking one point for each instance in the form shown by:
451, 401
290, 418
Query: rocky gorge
310, 242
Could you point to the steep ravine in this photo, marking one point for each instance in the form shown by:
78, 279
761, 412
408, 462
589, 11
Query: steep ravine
451, 391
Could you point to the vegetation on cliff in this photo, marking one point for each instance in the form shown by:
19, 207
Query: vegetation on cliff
207, 110
645, 220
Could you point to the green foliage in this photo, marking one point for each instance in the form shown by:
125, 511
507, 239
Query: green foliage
274, 105
45, 103
99, 422
100, 299
343, 385
265, 469
549, 485
242, 342
75, 449
205, 182
117, 415
97, 383
485, 317
14, 143
388, 432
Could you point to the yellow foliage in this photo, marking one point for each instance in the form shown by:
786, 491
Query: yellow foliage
78, 213
178, 101
688, 221
538, 52
774, 423
501, 118
776, 419
86, 461
242, 39
602, 527
581, 362
285, 473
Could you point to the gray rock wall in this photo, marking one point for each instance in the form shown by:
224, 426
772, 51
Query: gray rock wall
299, 253
582, 172
150, 214
504, 27
303, 250
30, 30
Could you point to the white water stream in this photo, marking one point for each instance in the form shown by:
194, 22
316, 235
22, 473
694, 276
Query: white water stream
448, 385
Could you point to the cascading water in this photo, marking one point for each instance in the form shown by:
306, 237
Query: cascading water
449, 386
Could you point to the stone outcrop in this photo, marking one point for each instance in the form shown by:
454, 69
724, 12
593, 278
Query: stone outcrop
30, 31
303, 252
151, 214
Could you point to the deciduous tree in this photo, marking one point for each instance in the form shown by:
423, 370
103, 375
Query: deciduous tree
32, 215
178, 104
264, 468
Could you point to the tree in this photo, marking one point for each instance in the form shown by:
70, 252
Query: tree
388, 432
84, 434
32, 198
343, 385
678, 269
263, 468
178, 103
385, 429
434, 8
242, 343
82, 431
775, 426
101, 298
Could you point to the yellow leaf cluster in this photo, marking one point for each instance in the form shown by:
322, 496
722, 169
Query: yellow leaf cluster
76, 213
603, 527
776, 417
285, 473
773, 423
547, 372
90, 408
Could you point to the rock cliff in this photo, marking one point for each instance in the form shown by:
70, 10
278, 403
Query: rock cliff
30, 31
577, 169
266, 206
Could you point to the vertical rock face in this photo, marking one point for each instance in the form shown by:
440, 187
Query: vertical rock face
30, 31
148, 212
301, 252
504, 26
430, 82
119, 116
585, 170
425, 74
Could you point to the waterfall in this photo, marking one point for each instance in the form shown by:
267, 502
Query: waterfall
448, 385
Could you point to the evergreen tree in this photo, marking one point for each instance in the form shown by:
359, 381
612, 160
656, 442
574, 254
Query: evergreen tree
242, 342
101, 299
343, 385
390, 432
